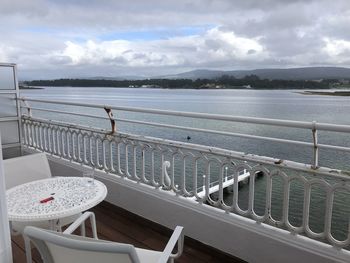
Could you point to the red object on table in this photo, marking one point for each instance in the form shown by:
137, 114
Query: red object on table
47, 199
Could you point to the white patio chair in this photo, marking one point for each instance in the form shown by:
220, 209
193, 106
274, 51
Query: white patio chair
64, 247
25, 169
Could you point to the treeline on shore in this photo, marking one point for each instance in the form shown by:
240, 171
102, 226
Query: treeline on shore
223, 82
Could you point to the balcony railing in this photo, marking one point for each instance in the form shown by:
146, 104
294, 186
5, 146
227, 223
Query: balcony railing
278, 192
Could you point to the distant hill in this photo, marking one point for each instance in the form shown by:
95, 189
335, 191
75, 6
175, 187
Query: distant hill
308, 73
118, 78
196, 74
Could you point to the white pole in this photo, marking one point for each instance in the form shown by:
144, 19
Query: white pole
5, 237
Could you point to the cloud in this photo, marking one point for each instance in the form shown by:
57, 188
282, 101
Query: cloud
70, 38
187, 51
338, 50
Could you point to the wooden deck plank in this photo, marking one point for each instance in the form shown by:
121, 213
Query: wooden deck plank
119, 225
18, 242
18, 254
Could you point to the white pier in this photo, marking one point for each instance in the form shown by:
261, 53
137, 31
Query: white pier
228, 181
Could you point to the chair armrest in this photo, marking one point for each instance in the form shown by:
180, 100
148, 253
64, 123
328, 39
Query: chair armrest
176, 238
81, 220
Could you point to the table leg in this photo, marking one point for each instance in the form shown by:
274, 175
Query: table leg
52, 224
82, 230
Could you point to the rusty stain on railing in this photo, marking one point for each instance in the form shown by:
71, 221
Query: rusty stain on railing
111, 118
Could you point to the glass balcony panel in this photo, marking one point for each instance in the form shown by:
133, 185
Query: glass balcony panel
8, 105
9, 132
7, 80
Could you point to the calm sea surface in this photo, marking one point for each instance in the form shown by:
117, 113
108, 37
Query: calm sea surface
276, 104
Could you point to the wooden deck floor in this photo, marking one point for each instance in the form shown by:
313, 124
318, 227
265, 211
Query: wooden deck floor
116, 224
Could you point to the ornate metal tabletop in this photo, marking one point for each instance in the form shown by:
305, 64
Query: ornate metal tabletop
53, 198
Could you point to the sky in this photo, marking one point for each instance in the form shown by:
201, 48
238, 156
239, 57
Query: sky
90, 38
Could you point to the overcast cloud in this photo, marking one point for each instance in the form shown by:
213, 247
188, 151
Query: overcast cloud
78, 38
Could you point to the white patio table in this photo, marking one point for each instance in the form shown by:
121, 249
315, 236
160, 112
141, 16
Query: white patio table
53, 198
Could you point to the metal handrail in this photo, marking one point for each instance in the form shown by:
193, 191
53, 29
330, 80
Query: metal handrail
243, 119
286, 164
312, 126
233, 134
162, 125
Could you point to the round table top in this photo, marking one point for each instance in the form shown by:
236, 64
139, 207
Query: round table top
53, 198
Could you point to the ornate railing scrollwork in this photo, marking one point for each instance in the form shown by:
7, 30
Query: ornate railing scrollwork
192, 171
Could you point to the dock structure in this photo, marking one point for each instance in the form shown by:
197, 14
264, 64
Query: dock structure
228, 181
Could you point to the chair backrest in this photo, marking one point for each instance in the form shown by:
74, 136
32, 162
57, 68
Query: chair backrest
25, 169
56, 247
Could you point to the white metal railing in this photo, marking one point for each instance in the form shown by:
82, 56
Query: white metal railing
313, 126
145, 159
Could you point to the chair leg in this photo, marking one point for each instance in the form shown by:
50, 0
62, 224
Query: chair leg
52, 224
28, 249
58, 226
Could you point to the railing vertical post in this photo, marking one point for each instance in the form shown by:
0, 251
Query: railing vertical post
29, 109
315, 147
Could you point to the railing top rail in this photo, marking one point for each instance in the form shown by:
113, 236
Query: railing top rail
2, 64
242, 119
156, 124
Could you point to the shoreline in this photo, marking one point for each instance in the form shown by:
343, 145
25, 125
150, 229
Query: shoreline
298, 90
344, 93
326, 93
29, 87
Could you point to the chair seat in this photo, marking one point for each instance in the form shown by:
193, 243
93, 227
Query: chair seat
145, 256
64, 247
148, 256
